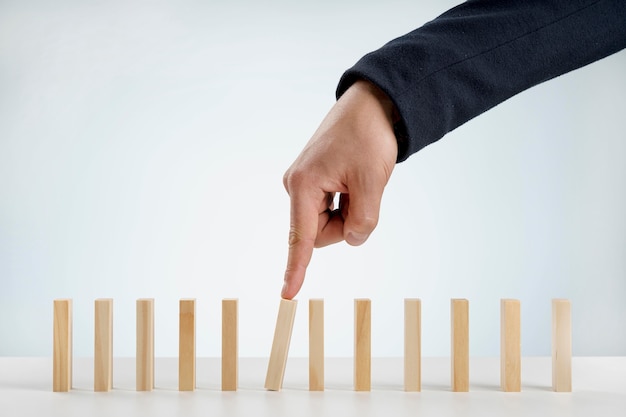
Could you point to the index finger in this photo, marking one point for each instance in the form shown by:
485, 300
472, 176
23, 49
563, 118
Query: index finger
302, 234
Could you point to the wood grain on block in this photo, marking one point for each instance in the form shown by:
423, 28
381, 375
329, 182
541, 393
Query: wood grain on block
229, 345
362, 344
412, 344
561, 345
187, 345
103, 345
316, 345
280, 345
459, 312
510, 346
62, 346
145, 345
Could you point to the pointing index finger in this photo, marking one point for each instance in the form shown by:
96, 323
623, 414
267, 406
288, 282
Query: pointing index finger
302, 234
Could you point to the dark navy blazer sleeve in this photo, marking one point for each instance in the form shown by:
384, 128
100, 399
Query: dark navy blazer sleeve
481, 53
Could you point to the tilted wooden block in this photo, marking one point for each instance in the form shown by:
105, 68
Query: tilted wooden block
362, 344
187, 345
510, 346
280, 345
62, 346
103, 345
145, 344
561, 345
229, 345
459, 312
316, 345
412, 344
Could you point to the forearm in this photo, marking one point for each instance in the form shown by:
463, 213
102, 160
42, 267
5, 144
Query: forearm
481, 53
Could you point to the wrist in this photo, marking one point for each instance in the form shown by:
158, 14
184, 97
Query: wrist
374, 92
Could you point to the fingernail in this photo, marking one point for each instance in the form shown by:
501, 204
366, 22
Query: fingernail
356, 239
284, 290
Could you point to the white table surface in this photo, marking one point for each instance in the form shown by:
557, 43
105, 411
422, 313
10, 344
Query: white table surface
599, 390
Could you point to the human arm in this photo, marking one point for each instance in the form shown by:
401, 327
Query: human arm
452, 69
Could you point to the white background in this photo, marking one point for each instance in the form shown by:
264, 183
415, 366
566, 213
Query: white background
142, 147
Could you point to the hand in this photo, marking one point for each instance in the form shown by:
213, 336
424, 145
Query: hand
353, 152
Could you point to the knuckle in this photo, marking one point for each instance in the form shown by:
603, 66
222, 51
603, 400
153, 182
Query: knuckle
299, 176
294, 179
299, 183
364, 224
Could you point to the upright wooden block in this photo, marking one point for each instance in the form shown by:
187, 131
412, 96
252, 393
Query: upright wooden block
187, 345
145, 344
459, 312
362, 344
229, 345
561, 345
280, 345
62, 346
316, 345
510, 346
103, 345
412, 344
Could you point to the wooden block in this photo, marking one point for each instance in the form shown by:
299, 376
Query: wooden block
103, 345
362, 344
145, 344
187, 345
459, 312
316, 345
280, 345
561, 345
229, 345
510, 346
412, 344
62, 346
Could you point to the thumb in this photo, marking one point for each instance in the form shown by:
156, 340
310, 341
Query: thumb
362, 211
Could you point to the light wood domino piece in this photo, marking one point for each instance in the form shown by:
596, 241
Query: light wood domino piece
561, 345
145, 345
510, 346
412, 344
280, 345
103, 345
187, 345
62, 346
459, 312
316, 345
229, 344
362, 344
